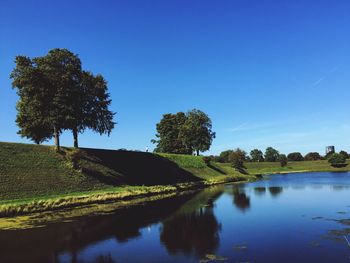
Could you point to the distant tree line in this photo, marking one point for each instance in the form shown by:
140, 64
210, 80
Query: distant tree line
272, 155
56, 94
238, 157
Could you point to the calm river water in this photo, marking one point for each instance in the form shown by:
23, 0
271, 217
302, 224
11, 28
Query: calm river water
288, 218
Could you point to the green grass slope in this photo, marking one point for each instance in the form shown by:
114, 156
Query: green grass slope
31, 171
303, 166
292, 167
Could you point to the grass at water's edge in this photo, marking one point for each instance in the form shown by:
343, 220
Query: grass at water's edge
34, 178
294, 167
21, 207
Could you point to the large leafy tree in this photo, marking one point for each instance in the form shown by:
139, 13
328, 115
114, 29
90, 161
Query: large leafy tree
271, 155
196, 132
168, 134
56, 95
33, 126
91, 110
257, 155
184, 133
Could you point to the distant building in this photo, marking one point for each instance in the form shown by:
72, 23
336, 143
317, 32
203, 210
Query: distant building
330, 149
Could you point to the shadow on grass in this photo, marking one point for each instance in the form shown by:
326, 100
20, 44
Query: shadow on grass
216, 169
133, 168
340, 165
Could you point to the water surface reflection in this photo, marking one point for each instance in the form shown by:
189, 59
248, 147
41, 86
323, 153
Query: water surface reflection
304, 215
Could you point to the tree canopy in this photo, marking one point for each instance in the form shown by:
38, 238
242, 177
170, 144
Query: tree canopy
168, 134
55, 94
337, 160
256, 155
312, 156
184, 133
224, 156
345, 154
237, 158
295, 156
271, 155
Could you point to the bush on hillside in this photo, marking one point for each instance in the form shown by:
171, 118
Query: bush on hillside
312, 156
337, 160
295, 157
345, 154
237, 158
207, 160
224, 156
283, 160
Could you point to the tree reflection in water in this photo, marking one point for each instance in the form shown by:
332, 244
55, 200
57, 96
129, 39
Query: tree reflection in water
260, 190
194, 229
240, 198
275, 190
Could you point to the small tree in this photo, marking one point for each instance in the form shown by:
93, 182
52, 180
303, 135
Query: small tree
257, 155
283, 160
337, 160
224, 156
207, 160
271, 155
237, 158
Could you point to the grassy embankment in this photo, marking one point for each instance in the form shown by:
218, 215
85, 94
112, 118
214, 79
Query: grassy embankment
35, 178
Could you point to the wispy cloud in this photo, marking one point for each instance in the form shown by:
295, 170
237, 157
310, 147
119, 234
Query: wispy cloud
240, 127
321, 79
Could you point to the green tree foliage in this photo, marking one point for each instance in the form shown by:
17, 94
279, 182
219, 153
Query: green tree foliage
283, 160
237, 158
32, 126
224, 156
184, 133
55, 94
345, 154
312, 156
256, 155
337, 160
196, 133
168, 134
271, 155
92, 111
295, 157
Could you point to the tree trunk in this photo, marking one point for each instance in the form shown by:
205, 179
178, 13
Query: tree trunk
197, 152
75, 136
57, 138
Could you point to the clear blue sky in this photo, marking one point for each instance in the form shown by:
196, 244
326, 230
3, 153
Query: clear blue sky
268, 73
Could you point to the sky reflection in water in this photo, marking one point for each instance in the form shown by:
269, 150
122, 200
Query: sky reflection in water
288, 218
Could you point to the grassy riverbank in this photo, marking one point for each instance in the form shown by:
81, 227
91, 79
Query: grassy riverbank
294, 167
262, 168
35, 178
